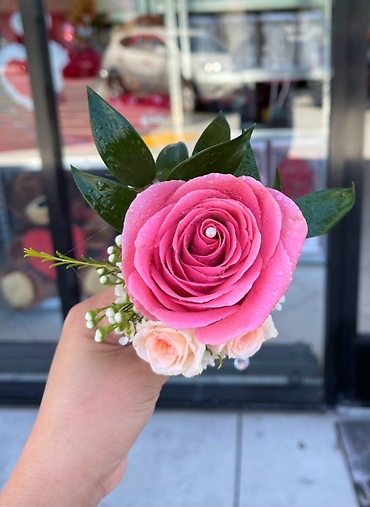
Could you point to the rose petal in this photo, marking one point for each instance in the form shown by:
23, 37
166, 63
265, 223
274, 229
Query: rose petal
295, 226
141, 209
257, 305
179, 318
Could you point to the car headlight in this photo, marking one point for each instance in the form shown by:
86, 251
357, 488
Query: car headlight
212, 67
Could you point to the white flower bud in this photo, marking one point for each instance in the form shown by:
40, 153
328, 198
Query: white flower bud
112, 258
90, 324
111, 249
99, 335
110, 312
90, 315
101, 271
104, 280
123, 340
119, 290
118, 317
118, 240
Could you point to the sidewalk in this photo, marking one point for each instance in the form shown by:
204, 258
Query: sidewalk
219, 459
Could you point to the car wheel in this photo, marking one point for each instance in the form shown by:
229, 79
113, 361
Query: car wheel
115, 83
189, 98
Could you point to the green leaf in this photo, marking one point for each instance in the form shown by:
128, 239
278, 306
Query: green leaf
218, 131
248, 165
277, 182
325, 208
110, 199
170, 157
119, 145
223, 158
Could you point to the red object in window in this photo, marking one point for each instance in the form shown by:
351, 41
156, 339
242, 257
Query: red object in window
85, 63
297, 179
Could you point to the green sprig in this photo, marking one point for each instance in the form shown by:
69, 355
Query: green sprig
60, 259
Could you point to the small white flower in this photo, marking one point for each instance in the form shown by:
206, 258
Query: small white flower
101, 271
112, 258
209, 359
118, 240
90, 324
123, 340
111, 250
104, 279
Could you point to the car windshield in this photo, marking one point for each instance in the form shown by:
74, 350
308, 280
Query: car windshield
141, 42
204, 44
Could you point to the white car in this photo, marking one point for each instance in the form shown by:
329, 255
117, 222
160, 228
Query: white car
136, 61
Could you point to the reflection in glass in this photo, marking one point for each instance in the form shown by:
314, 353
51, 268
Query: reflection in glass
267, 67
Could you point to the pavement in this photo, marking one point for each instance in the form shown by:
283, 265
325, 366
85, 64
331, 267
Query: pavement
219, 459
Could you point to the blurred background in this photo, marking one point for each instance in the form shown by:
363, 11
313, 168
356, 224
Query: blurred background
299, 71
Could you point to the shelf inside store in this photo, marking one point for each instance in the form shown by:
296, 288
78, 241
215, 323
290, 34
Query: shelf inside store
85, 156
260, 75
206, 6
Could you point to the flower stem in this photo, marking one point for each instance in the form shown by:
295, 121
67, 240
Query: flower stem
60, 259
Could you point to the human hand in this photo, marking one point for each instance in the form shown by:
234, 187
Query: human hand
97, 400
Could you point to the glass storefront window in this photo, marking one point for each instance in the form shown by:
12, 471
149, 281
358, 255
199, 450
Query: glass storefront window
169, 68
30, 301
16, 104
29, 309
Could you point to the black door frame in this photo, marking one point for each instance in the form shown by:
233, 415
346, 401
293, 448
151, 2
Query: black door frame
346, 166
49, 143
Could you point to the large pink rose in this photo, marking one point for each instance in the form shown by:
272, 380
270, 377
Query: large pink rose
215, 253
